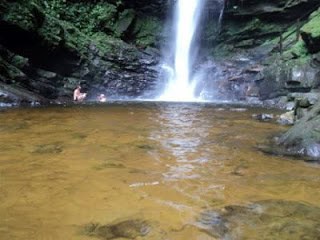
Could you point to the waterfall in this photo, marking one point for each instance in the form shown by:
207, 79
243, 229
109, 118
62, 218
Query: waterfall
221, 15
180, 85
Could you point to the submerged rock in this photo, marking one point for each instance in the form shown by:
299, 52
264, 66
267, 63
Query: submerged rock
129, 229
53, 148
263, 116
269, 219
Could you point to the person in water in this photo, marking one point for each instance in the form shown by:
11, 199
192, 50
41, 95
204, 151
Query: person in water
78, 96
102, 98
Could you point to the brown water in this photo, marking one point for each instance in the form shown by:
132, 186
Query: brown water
62, 168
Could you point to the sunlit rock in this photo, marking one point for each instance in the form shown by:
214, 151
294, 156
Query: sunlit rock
287, 118
263, 116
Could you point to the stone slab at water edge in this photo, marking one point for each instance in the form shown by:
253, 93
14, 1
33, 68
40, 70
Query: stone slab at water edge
304, 137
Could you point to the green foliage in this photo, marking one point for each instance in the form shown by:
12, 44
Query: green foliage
79, 25
103, 42
52, 32
21, 15
89, 17
126, 18
146, 31
211, 31
55, 33
54, 7
299, 49
241, 29
19, 61
9, 71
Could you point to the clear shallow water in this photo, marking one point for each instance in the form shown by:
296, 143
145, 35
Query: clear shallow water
62, 168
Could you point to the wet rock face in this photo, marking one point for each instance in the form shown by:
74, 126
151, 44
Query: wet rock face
269, 219
130, 73
231, 79
281, 78
48, 50
150, 7
251, 29
301, 141
249, 23
129, 229
274, 9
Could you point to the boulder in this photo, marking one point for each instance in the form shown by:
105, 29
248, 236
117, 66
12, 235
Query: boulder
263, 116
287, 118
301, 112
282, 78
308, 98
264, 220
303, 138
46, 74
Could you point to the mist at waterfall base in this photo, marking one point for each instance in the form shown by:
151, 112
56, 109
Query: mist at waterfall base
186, 82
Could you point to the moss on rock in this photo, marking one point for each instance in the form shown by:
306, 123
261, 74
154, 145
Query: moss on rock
88, 17
313, 26
21, 14
9, 71
126, 18
146, 31
310, 33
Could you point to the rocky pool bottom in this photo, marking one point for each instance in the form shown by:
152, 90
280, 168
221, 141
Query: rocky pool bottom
151, 171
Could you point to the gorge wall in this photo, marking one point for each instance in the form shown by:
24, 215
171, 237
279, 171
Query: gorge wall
115, 47
250, 62
48, 47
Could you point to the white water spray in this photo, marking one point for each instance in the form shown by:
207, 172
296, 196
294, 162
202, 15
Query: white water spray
180, 86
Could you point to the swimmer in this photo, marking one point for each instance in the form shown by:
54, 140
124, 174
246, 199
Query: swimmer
77, 95
102, 98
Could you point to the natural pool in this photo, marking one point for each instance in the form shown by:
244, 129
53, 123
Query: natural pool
149, 171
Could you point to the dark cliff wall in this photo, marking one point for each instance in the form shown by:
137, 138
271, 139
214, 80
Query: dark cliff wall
251, 23
48, 47
254, 60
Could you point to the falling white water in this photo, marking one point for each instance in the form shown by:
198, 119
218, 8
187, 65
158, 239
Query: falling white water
221, 14
180, 86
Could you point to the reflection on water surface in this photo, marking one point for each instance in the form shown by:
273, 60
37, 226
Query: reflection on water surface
165, 165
